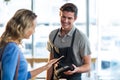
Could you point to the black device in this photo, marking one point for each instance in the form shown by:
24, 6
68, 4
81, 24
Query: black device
60, 58
61, 70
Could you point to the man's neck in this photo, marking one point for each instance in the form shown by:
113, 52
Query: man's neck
64, 31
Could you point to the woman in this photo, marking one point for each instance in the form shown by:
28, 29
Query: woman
20, 26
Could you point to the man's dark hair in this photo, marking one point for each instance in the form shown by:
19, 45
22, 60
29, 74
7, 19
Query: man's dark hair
70, 7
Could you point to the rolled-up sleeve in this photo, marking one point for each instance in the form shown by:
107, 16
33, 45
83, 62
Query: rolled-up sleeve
49, 48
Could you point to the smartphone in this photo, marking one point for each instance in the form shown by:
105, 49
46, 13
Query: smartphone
60, 58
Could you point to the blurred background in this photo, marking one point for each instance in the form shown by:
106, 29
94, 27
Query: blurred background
98, 19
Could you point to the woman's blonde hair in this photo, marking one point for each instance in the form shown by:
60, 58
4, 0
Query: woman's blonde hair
17, 25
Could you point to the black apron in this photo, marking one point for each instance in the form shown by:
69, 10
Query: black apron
68, 54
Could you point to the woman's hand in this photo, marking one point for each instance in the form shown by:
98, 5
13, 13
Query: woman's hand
53, 61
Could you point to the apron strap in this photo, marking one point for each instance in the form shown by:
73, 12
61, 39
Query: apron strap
55, 36
73, 38
17, 67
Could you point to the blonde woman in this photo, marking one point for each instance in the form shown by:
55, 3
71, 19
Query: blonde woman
14, 65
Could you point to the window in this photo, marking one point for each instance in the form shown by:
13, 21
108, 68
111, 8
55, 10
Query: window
102, 17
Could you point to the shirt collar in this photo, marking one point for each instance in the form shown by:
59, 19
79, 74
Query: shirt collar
69, 33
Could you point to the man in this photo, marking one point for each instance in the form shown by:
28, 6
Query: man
71, 43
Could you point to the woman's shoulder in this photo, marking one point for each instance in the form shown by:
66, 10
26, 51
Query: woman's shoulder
11, 45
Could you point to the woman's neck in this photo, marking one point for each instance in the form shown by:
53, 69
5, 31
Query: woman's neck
15, 41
